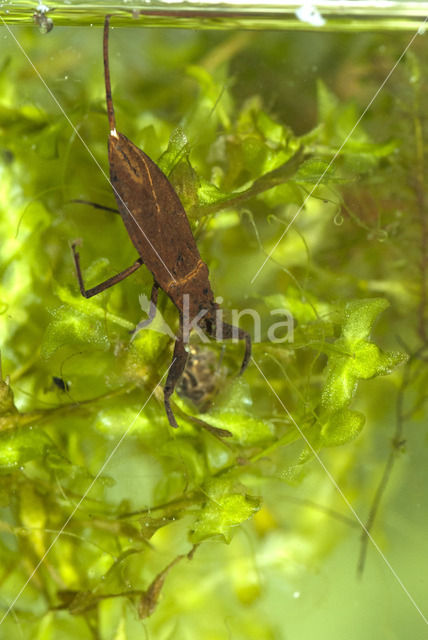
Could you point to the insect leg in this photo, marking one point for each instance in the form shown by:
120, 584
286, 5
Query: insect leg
228, 332
96, 205
178, 364
88, 293
152, 311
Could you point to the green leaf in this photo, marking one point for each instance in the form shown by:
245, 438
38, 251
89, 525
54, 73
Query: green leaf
213, 104
178, 148
209, 193
341, 427
315, 171
302, 305
370, 149
245, 429
271, 130
182, 453
327, 102
20, 445
341, 122
225, 510
360, 316
9, 414
355, 357
72, 327
85, 307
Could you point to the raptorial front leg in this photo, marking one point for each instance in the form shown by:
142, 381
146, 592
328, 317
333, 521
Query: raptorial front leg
152, 311
178, 364
88, 293
229, 331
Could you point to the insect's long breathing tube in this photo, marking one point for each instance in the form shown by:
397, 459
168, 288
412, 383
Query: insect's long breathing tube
109, 99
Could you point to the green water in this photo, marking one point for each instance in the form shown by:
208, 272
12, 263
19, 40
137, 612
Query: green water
240, 104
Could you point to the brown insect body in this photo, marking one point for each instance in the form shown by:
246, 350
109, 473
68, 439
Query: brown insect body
159, 229
170, 251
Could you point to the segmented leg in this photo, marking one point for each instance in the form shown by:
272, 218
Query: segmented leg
178, 364
228, 331
88, 293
